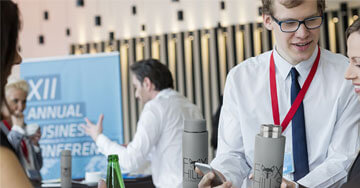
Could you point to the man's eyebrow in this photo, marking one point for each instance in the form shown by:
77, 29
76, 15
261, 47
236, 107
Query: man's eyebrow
289, 18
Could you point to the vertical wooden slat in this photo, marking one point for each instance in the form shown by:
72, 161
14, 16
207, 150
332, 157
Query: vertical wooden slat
124, 60
332, 34
341, 33
205, 56
172, 58
140, 45
180, 63
257, 39
218, 58
155, 48
163, 49
140, 54
198, 71
230, 39
239, 37
147, 48
189, 39
133, 112
222, 51
322, 39
248, 41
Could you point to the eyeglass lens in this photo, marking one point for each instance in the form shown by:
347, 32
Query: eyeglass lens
292, 25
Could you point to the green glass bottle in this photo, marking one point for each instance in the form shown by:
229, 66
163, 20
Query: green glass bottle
114, 177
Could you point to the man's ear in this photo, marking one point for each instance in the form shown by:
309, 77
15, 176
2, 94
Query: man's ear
147, 83
267, 20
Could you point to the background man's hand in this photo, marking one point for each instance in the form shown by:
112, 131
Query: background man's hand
18, 119
93, 130
206, 181
36, 137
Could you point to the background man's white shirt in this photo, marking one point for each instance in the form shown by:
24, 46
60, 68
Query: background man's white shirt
158, 137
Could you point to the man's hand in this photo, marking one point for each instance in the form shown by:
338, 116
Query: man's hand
287, 184
17, 118
207, 179
101, 184
36, 137
93, 130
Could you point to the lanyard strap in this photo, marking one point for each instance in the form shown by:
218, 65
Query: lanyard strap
299, 98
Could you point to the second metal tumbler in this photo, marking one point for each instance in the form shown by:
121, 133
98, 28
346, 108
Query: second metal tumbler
268, 157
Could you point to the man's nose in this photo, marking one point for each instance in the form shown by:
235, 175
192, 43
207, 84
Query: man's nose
302, 32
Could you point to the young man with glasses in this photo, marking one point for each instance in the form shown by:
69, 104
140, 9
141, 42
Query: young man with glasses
299, 86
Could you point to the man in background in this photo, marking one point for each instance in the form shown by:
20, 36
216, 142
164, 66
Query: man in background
159, 130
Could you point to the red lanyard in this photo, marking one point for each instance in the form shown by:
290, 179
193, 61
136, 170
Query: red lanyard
299, 98
23, 144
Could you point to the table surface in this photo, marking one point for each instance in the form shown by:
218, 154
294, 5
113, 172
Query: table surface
142, 182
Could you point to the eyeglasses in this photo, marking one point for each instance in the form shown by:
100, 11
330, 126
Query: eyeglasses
289, 26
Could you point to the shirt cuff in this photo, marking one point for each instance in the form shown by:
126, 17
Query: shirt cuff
313, 181
18, 129
37, 149
101, 140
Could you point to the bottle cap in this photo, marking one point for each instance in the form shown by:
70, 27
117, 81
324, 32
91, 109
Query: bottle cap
197, 125
270, 131
65, 153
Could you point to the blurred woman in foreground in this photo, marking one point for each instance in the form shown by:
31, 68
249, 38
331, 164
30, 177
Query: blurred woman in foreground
11, 172
353, 74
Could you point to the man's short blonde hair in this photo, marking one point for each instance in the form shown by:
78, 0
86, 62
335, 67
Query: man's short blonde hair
17, 84
267, 5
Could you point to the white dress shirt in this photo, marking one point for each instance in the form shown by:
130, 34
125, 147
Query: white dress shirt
331, 108
158, 137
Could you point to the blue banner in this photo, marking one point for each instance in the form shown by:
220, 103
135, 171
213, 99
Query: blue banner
62, 92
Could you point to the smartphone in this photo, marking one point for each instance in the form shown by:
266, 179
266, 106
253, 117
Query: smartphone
205, 168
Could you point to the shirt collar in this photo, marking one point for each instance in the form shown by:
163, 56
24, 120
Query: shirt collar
164, 92
303, 67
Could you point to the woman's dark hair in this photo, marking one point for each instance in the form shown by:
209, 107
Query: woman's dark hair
157, 72
354, 27
10, 26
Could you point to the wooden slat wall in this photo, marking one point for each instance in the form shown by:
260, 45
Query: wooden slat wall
200, 60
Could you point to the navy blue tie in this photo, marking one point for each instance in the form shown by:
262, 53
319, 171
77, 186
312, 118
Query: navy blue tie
300, 153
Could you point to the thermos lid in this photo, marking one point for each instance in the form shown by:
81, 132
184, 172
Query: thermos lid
66, 152
270, 131
195, 125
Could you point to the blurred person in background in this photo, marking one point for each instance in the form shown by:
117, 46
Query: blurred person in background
24, 138
11, 172
159, 130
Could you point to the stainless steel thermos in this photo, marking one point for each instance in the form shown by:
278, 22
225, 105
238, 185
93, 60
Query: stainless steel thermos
65, 163
194, 149
268, 157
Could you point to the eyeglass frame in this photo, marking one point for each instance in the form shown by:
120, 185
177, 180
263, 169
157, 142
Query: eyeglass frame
299, 23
